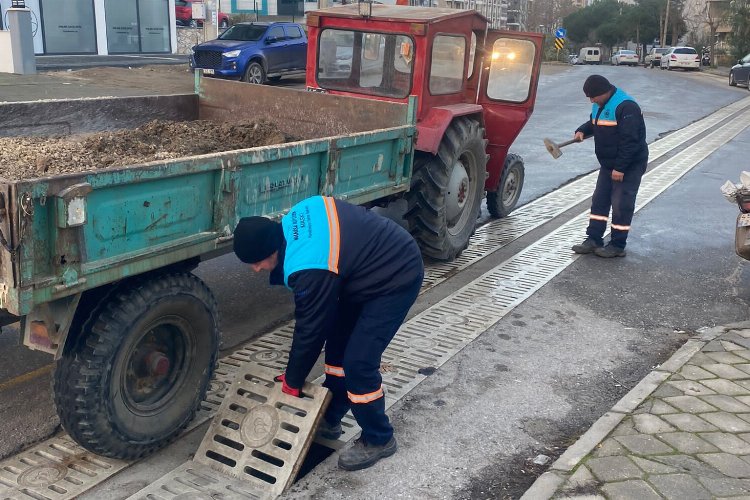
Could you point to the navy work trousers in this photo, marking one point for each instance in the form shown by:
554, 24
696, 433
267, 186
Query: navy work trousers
620, 196
353, 354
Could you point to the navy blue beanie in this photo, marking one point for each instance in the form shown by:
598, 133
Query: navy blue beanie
257, 238
596, 85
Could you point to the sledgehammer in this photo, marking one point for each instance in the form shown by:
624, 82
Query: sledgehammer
554, 149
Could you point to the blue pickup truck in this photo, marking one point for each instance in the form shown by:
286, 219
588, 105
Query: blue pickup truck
254, 52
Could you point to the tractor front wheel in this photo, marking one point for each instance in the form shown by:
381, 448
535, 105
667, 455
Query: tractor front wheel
447, 189
502, 202
138, 370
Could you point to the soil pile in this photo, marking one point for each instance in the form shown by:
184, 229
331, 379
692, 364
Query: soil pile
31, 157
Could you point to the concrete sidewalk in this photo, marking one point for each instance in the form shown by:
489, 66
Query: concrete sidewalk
682, 433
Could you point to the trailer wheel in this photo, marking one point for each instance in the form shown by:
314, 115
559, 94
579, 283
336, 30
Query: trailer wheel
447, 189
502, 202
255, 73
140, 367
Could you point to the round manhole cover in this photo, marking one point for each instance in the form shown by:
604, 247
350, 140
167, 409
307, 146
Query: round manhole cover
259, 426
42, 475
421, 343
455, 319
266, 356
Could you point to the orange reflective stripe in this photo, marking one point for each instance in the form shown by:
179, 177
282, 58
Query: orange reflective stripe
334, 236
607, 123
336, 371
620, 228
365, 398
599, 217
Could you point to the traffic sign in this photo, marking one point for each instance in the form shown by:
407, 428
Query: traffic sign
561, 33
559, 43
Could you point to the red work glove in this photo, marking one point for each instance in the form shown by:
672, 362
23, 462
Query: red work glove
297, 393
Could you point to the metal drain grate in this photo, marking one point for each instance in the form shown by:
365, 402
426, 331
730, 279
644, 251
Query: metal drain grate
261, 435
402, 372
54, 470
194, 481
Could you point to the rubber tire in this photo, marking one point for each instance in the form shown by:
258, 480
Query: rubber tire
426, 212
495, 204
732, 81
260, 79
88, 399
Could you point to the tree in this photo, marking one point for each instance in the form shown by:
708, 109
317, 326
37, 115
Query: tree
739, 19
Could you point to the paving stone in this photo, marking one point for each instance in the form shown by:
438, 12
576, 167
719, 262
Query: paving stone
745, 353
666, 390
690, 404
745, 367
652, 467
694, 372
688, 443
693, 388
627, 490
575, 496
659, 407
713, 346
730, 346
582, 477
726, 403
725, 487
644, 444
679, 487
609, 448
727, 464
688, 464
722, 386
729, 358
726, 371
726, 421
740, 340
613, 468
744, 383
689, 423
701, 359
728, 443
625, 428
651, 424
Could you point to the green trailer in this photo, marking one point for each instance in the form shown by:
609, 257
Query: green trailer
97, 265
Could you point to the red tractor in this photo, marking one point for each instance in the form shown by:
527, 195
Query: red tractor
476, 89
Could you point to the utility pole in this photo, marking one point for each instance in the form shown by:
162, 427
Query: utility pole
666, 25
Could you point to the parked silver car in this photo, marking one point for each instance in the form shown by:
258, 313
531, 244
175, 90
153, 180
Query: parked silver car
653, 58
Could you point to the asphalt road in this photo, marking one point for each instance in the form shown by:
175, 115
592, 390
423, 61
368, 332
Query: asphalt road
541, 375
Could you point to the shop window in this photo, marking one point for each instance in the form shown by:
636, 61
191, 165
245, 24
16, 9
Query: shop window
69, 26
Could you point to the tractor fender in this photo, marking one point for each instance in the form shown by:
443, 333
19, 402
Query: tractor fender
431, 129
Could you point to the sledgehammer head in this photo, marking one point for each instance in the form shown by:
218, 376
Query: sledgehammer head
553, 148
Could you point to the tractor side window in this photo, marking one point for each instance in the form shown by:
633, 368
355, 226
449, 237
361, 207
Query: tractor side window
511, 65
368, 63
472, 54
447, 69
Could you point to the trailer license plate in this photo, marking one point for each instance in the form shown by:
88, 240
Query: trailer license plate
744, 220
208, 72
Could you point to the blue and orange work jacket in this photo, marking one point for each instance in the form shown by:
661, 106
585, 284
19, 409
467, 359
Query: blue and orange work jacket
337, 253
619, 132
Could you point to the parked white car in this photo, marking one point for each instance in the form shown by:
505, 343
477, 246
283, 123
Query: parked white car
624, 57
686, 58
653, 58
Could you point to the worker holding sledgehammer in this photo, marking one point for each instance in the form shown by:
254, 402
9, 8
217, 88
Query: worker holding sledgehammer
616, 122
354, 275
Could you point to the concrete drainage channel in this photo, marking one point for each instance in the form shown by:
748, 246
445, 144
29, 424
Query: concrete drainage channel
59, 469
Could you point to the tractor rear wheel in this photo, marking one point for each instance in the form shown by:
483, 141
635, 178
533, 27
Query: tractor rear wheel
447, 189
134, 377
502, 202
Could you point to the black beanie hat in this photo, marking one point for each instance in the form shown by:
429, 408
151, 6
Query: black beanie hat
257, 238
596, 85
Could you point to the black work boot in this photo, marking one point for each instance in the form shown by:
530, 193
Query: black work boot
609, 251
328, 431
588, 246
363, 455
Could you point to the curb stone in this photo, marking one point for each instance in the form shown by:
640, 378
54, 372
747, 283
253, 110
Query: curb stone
545, 486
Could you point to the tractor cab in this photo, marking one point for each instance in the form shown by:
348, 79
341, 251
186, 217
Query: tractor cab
470, 81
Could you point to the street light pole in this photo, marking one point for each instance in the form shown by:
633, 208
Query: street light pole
666, 24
